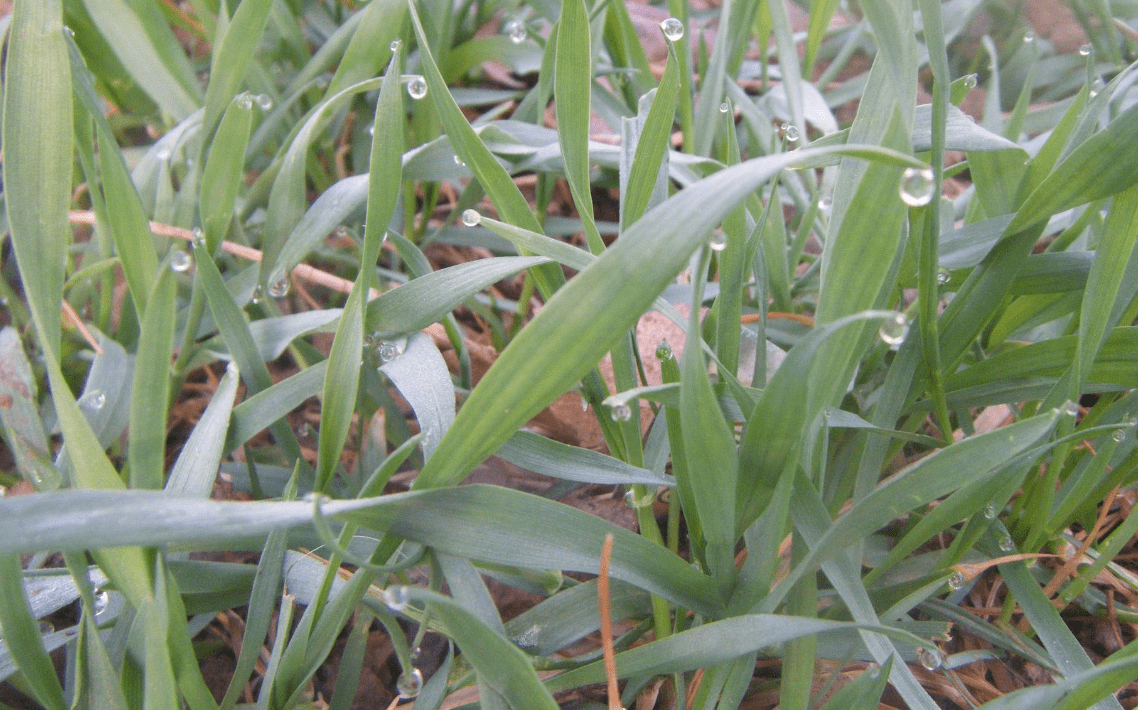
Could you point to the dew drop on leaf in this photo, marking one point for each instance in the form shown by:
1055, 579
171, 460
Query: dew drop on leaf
718, 241
894, 330
417, 87
955, 581
930, 660
181, 261
279, 288
917, 186
410, 684
1085, 50
396, 598
515, 29
471, 218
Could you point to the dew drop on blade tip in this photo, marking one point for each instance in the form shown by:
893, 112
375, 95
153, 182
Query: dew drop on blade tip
990, 511
1007, 544
1086, 50
955, 581
724, 107
718, 241
917, 186
791, 133
396, 45
410, 684
620, 412
930, 660
471, 218
264, 102
396, 598
664, 351
673, 29
516, 30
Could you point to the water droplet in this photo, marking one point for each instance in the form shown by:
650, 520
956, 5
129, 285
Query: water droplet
673, 29
990, 511
198, 240
1071, 409
894, 330
458, 161
718, 241
46, 627
955, 581
471, 218
1007, 544
70, 32
409, 684
265, 102
825, 204
45, 477
930, 659
279, 288
528, 638
664, 351
943, 276
304, 431
1086, 50
341, 232
396, 45
245, 100
1028, 37
181, 261
396, 598
258, 294
1118, 434
102, 601
98, 400
790, 132
620, 412
970, 81
417, 87
724, 107
516, 30
388, 350
371, 130
917, 186
232, 368
163, 153
1129, 420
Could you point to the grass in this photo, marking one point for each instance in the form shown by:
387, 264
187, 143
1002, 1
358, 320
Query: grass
889, 465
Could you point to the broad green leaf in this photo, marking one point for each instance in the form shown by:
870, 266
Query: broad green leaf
539, 454
651, 147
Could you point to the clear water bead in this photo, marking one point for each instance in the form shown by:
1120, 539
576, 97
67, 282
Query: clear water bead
471, 218
458, 161
388, 350
894, 330
515, 29
970, 81
990, 511
1028, 37
245, 100
198, 240
1070, 408
163, 153
396, 45
825, 204
930, 660
620, 412
181, 261
790, 132
673, 29
1118, 434
46, 478
258, 294
718, 241
417, 87
943, 277
265, 102
917, 186
955, 581
1007, 544
396, 598
279, 288
1086, 50
410, 684
664, 351
102, 600
724, 107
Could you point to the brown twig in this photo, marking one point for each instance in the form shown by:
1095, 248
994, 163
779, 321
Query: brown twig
606, 625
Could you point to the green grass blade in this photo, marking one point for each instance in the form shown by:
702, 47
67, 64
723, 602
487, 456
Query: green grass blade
146, 46
428, 299
539, 454
572, 93
651, 146
150, 399
232, 55
421, 376
196, 468
379, 24
821, 12
498, 663
22, 427
22, 636
224, 166
574, 330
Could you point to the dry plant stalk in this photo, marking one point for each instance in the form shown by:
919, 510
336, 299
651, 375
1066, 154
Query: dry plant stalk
606, 625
